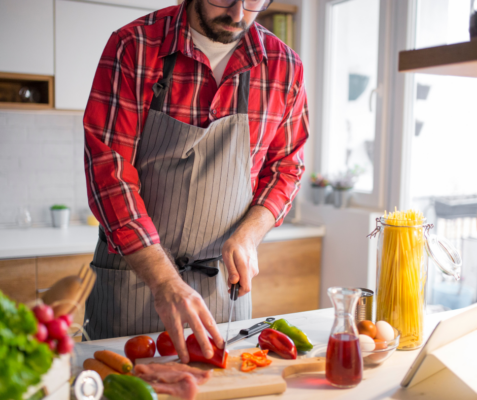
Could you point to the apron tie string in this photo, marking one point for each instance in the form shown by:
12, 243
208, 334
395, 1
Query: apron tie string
200, 266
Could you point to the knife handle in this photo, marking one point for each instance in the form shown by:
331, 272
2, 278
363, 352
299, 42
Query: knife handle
257, 327
234, 290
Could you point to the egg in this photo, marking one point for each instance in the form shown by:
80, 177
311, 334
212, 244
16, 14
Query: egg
367, 328
366, 343
384, 331
380, 344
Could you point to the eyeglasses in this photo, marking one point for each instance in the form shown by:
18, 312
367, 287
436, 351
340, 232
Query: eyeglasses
248, 5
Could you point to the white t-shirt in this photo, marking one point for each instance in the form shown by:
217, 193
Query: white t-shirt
218, 53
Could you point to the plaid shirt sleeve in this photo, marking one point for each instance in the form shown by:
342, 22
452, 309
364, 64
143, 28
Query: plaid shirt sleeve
112, 123
280, 175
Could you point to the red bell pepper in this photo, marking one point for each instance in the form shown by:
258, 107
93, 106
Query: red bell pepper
278, 342
195, 353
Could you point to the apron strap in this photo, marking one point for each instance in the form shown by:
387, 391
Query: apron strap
162, 86
183, 263
243, 92
200, 266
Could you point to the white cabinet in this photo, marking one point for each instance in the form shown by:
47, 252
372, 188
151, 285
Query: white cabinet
82, 29
149, 4
26, 32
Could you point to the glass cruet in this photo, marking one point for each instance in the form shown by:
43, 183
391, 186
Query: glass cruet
344, 362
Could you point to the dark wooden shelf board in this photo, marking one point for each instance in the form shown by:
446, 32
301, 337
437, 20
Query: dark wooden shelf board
458, 59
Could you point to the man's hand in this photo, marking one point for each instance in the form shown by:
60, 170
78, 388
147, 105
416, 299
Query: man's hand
240, 250
175, 301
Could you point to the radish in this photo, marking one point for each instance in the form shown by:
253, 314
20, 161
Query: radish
68, 318
57, 329
41, 333
43, 313
65, 345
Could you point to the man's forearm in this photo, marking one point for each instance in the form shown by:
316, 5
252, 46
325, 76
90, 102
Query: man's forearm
257, 223
153, 265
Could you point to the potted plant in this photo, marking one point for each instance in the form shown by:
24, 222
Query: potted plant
343, 184
60, 215
319, 184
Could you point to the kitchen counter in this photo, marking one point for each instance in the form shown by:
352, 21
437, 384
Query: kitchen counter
382, 382
38, 242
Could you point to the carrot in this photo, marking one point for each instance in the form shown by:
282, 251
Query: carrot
102, 369
115, 361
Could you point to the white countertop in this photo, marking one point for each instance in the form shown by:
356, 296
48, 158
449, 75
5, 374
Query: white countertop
381, 382
37, 242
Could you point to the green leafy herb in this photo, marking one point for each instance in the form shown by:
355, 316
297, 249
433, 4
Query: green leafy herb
59, 207
24, 359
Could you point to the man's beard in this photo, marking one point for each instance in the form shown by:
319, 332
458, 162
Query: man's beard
212, 28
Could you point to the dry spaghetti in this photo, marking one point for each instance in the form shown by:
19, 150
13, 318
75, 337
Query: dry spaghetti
402, 273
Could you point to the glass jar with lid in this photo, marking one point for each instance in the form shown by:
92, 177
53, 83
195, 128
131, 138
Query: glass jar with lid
404, 247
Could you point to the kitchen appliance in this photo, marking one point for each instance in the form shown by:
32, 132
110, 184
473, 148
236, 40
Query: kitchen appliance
231, 383
344, 363
404, 245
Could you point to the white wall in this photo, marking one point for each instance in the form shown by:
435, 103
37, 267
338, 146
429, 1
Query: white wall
41, 164
348, 256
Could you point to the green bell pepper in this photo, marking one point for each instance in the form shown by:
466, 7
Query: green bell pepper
300, 339
126, 387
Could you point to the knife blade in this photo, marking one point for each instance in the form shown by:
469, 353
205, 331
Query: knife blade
234, 289
253, 330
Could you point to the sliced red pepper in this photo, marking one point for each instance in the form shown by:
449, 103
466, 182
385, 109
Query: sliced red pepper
260, 361
261, 353
278, 342
248, 366
195, 353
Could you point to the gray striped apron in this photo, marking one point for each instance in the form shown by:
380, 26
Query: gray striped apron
196, 185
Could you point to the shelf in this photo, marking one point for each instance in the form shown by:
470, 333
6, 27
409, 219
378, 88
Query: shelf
279, 8
458, 59
40, 85
273, 9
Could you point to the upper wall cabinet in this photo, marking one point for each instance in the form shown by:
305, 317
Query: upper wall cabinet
82, 31
26, 32
148, 4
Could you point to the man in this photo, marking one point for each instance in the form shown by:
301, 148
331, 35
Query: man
194, 135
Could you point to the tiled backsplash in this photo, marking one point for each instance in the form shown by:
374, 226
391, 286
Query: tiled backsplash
41, 164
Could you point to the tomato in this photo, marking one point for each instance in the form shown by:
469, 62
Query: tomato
65, 345
139, 347
195, 353
57, 329
43, 313
165, 347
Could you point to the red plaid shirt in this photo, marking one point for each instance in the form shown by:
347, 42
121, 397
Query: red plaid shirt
119, 103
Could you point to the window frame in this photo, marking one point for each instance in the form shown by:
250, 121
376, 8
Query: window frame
393, 124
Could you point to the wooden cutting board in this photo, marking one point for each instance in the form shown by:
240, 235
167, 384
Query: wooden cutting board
231, 383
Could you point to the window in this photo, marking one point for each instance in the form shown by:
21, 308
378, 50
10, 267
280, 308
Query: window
351, 102
443, 147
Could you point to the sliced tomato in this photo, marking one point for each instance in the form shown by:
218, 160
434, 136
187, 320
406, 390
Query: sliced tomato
248, 366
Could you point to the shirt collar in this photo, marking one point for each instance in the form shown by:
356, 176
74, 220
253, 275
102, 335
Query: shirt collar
248, 54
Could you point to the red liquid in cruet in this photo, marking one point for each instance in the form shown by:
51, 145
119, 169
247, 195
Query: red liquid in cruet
344, 365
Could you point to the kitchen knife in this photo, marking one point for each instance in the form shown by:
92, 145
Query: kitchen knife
234, 289
253, 330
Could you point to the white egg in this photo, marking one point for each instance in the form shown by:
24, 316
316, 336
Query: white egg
384, 331
366, 343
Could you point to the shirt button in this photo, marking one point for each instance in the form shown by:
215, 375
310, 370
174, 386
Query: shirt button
214, 111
